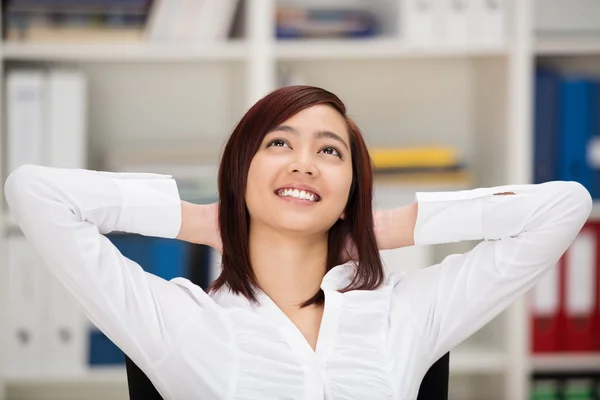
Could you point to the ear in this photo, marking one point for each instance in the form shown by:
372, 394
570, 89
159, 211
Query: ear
342, 216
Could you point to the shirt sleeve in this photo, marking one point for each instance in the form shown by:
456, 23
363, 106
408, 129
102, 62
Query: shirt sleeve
523, 234
64, 214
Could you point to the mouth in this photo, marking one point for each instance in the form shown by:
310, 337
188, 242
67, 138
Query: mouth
302, 195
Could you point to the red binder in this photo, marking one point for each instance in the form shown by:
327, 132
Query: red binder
596, 323
545, 312
579, 272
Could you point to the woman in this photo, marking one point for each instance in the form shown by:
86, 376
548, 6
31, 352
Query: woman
291, 316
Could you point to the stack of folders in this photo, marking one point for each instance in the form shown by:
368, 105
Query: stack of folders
418, 166
46, 124
453, 22
118, 20
165, 258
565, 304
399, 172
567, 128
47, 332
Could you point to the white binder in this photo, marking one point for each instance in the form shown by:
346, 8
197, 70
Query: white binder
488, 19
421, 22
65, 146
66, 116
455, 15
64, 331
25, 92
26, 298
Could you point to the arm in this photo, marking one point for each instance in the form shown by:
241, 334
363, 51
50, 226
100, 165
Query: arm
64, 214
523, 235
200, 224
395, 228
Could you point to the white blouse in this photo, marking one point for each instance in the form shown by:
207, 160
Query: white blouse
371, 345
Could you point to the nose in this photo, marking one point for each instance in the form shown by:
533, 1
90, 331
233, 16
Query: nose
303, 164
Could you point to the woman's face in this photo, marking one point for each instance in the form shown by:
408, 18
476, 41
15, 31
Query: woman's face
299, 179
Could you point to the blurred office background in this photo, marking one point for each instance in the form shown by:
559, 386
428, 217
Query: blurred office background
450, 94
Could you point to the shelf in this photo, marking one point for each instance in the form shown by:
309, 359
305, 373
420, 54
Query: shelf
97, 376
469, 361
317, 49
123, 52
566, 362
557, 45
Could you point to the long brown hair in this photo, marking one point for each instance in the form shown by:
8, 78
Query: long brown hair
234, 221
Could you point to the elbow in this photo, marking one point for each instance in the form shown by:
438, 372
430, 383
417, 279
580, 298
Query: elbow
579, 200
19, 183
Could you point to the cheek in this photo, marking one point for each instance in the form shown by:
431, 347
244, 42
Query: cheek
341, 183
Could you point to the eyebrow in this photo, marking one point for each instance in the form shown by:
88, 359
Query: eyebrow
322, 134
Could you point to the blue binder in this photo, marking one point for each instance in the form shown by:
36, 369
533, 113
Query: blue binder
546, 125
576, 128
167, 258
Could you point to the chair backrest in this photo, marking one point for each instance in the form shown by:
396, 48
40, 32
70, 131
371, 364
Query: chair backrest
433, 387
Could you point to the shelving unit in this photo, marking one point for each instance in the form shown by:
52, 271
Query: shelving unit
476, 98
566, 362
125, 52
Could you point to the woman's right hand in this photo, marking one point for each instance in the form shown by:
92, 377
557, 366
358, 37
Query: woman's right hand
200, 225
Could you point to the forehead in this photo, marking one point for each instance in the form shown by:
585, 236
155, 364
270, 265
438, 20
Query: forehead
319, 118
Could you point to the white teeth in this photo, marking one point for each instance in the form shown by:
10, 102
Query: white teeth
297, 194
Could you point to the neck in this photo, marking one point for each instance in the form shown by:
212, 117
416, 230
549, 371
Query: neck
289, 269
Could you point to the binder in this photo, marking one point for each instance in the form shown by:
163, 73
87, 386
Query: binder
546, 125
167, 258
26, 101
65, 139
64, 330
580, 275
421, 21
596, 322
26, 298
576, 126
545, 311
487, 22
456, 15
593, 145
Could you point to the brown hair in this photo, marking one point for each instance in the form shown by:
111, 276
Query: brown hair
234, 221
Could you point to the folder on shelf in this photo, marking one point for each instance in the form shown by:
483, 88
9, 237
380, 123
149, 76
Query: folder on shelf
487, 22
456, 16
596, 321
576, 127
64, 330
580, 276
421, 21
546, 123
26, 101
26, 299
66, 119
545, 312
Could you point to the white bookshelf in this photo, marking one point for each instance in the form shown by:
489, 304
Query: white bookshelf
126, 52
373, 49
566, 362
561, 45
476, 97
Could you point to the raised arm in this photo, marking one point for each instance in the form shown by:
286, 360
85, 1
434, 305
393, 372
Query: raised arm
64, 214
523, 235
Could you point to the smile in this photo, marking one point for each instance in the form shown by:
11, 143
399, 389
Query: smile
298, 194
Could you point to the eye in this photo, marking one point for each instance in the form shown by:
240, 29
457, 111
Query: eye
277, 143
333, 151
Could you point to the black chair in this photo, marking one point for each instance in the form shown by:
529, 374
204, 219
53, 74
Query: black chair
433, 387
